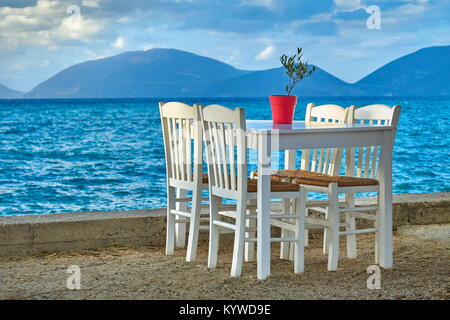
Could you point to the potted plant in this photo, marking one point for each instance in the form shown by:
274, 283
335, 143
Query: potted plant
283, 106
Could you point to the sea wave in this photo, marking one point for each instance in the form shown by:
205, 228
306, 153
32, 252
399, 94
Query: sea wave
93, 155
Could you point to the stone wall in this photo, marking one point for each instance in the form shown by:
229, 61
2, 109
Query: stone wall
26, 235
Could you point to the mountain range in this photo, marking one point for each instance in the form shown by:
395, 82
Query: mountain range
423, 73
7, 93
176, 73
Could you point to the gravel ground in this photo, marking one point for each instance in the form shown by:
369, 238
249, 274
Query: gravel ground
432, 231
422, 271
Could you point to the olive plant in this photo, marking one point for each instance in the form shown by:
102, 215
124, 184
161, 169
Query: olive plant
296, 69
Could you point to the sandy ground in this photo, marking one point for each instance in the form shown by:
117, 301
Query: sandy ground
422, 271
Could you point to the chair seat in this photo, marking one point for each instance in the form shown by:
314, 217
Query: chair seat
305, 177
275, 186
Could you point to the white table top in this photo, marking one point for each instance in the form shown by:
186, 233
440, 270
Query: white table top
261, 126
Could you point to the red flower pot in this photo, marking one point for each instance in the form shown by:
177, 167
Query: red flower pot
283, 108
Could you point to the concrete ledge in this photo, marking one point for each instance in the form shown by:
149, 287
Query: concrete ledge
25, 235
417, 208
31, 234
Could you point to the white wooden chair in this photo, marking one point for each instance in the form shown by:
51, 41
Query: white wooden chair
324, 161
225, 135
362, 162
183, 146
361, 177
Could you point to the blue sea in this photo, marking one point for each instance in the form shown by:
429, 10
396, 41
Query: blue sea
93, 155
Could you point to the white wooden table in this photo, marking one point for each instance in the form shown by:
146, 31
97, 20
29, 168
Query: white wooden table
265, 137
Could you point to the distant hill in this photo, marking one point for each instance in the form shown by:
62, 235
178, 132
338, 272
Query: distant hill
7, 93
271, 82
425, 72
151, 73
175, 73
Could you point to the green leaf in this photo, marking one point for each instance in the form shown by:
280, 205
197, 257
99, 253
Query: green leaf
296, 69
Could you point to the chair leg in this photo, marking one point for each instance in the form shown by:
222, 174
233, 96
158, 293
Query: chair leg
291, 247
170, 229
290, 234
213, 232
194, 226
299, 254
350, 222
251, 223
377, 234
350, 238
377, 251
180, 228
326, 236
239, 239
306, 230
333, 214
284, 246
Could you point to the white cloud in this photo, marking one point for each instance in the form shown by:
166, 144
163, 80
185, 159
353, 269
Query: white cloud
410, 9
269, 4
91, 3
119, 43
18, 66
75, 28
267, 53
39, 17
124, 20
47, 23
348, 5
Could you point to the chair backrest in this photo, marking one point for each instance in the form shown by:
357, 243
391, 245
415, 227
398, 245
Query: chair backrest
224, 132
363, 161
183, 141
324, 160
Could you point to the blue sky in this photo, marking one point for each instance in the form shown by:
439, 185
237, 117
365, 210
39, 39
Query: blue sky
38, 38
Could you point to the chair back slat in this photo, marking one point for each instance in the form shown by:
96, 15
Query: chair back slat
175, 156
188, 137
363, 160
225, 154
183, 145
305, 161
212, 163
326, 163
230, 143
224, 131
324, 160
218, 151
367, 162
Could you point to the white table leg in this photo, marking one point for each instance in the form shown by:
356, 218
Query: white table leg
350, 202
263, 204
385, 220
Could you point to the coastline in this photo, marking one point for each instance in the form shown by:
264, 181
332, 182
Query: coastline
34, 234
